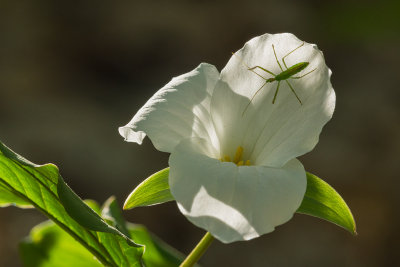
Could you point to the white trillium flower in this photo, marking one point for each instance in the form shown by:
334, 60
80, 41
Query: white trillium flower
233, 166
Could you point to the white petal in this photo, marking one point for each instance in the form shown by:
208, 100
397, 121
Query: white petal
179, 110
233, 203
272, 134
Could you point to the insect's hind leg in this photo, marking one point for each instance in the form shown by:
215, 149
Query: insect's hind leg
294, 92
283, 59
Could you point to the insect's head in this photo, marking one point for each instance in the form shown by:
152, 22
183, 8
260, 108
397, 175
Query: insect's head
304, 65
299, 67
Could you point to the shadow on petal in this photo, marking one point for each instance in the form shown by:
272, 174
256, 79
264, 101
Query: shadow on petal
221, 197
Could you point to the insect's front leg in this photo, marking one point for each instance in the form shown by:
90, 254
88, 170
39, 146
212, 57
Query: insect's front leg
283, 59
277, 61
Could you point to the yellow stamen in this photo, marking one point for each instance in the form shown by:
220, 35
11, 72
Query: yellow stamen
238, 154
237, 159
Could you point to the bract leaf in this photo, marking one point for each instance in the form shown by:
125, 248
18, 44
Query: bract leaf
42, 187
322, 201
153, 190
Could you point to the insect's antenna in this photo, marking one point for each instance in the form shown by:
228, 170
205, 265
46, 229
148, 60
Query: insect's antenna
241, 60
247, 66
293, 50
251, 100
283, 59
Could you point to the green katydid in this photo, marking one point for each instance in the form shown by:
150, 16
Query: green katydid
283, 76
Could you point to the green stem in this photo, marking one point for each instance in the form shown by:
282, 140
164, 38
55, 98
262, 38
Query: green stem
198, 251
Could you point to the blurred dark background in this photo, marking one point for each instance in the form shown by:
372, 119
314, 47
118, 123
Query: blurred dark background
71, 72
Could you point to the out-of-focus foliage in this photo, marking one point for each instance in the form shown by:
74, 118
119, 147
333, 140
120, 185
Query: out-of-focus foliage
48, 245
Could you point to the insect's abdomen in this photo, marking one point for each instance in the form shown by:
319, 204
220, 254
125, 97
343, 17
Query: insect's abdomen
286, 74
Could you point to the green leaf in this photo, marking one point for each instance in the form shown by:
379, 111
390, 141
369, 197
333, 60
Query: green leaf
112, 213
42, 187
153, 190
322, 201
80, 211
9, 199
157, 253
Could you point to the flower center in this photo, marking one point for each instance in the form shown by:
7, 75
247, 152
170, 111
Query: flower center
237, 159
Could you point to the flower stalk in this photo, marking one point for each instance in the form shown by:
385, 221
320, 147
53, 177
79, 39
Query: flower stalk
198, 251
